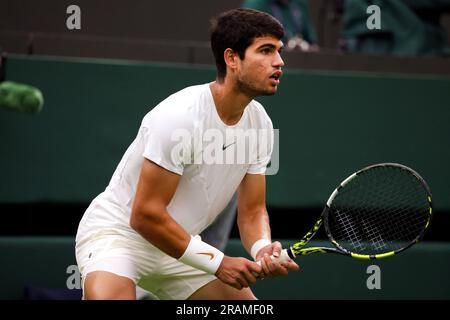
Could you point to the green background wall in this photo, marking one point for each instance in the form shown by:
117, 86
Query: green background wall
331, 124
419, 273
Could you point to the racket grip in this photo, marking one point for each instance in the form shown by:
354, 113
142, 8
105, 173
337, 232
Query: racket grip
284, 257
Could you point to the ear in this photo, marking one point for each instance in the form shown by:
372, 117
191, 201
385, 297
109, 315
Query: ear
231, 58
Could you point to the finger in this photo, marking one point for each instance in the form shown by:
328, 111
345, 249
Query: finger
276, 249
264, 266
269, 263
291, 265
250, 276
235, 284
282, 271
254, 267
272, 265
242, 281
277, 268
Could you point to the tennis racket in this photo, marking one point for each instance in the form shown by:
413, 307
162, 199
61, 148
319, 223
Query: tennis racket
375, 213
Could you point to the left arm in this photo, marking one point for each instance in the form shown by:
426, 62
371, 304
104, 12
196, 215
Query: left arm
253, 223
252, 219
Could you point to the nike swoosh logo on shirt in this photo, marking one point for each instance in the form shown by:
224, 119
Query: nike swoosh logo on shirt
209, 254
224, 146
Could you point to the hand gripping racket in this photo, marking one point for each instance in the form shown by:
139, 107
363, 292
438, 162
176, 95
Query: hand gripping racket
375, 213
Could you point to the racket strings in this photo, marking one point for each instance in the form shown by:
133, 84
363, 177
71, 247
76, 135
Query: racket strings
347, 228
381, 210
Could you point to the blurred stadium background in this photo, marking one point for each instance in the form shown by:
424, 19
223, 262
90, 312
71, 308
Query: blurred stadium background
337, 111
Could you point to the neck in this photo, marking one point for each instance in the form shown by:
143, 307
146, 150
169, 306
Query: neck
230, 102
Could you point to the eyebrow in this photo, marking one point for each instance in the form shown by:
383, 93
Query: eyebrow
269, 45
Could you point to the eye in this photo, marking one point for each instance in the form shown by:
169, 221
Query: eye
266, 50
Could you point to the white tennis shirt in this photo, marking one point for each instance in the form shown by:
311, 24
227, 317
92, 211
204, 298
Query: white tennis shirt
185, 135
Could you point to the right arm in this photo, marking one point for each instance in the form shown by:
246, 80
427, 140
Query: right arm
150, 218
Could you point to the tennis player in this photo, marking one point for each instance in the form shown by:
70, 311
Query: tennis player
142, 230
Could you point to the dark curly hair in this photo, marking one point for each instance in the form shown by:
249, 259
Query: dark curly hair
236, 29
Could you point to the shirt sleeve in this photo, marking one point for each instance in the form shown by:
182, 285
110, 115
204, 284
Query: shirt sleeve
264, 152
167, 142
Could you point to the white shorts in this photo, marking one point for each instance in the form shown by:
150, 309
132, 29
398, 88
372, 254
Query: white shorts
148, 267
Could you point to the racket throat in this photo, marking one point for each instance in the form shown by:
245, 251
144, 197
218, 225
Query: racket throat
290, 253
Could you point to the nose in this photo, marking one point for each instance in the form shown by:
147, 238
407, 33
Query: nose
278, 62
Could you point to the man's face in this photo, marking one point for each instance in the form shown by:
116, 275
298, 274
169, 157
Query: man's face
259, 72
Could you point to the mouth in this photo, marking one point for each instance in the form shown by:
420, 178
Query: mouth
275, 77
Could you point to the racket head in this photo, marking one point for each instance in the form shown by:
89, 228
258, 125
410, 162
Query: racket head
378, 211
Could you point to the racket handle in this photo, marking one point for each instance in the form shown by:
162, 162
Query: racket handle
284, 257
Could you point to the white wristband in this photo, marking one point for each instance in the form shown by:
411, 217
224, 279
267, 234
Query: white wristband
257, 246
202, 256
